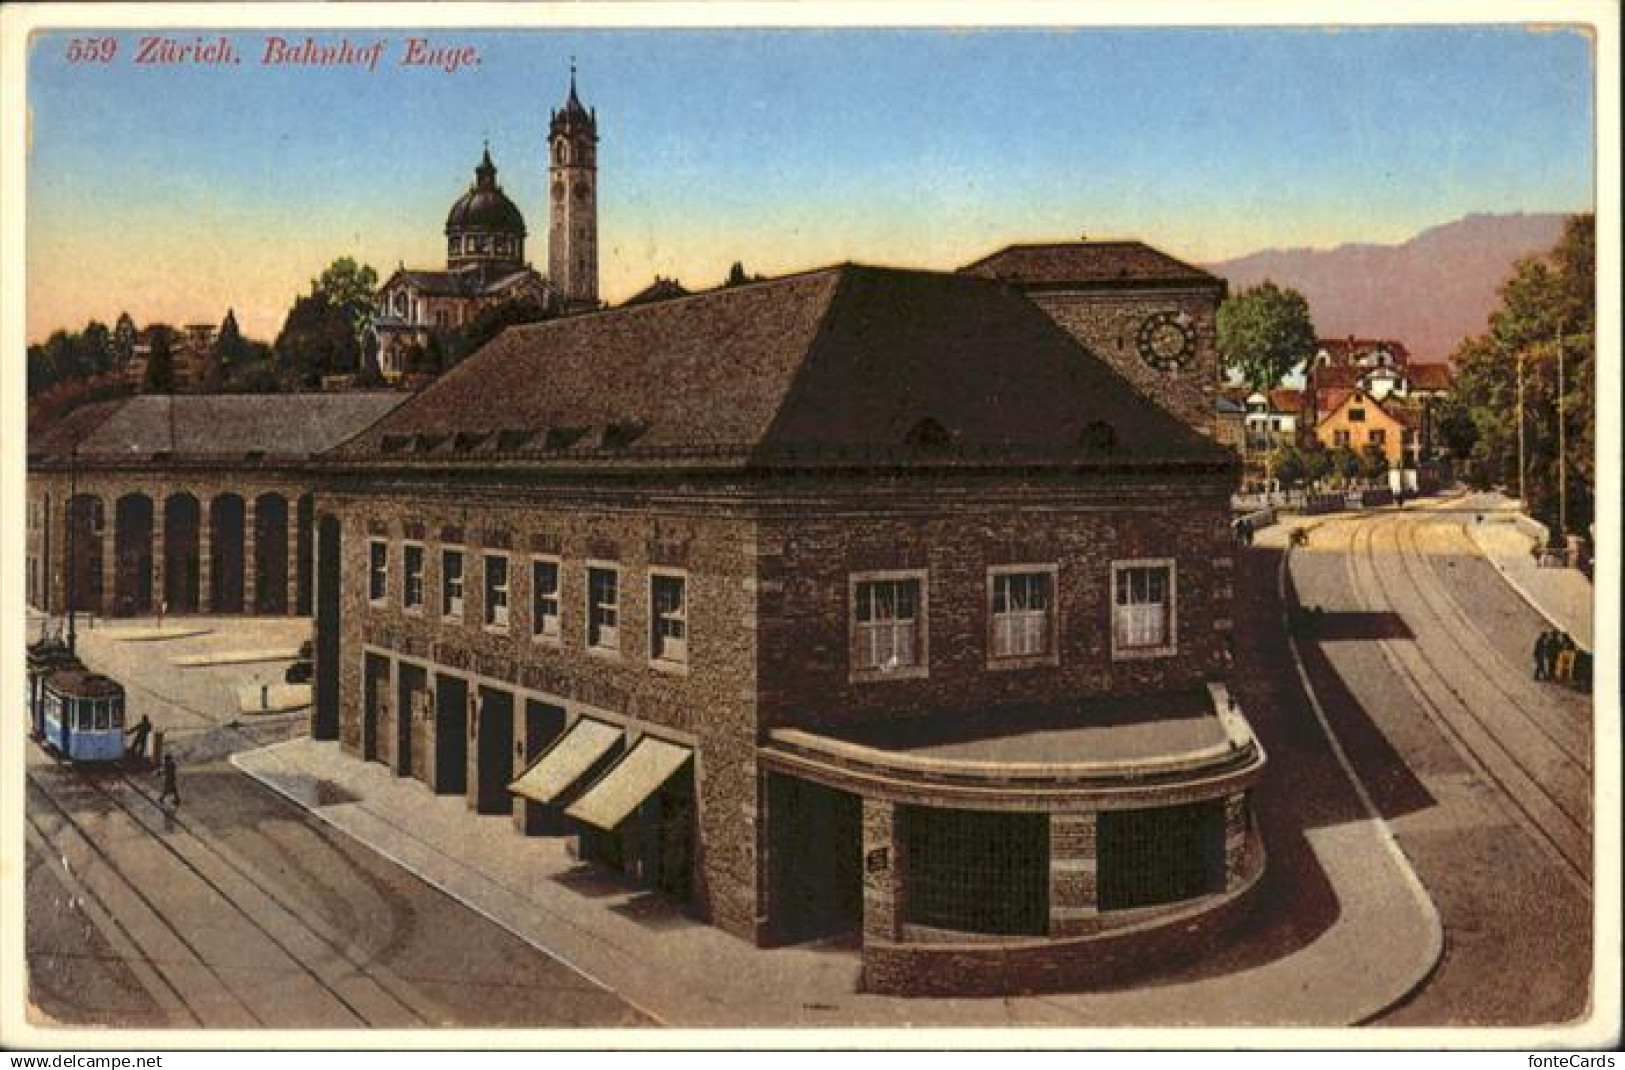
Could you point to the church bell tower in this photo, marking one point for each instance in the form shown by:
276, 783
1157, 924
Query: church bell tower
572, 236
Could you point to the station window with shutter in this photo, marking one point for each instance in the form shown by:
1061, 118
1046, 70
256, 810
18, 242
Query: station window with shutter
412, 577
888, 624
668, 618
451, 584
377, 571
544, 598
1143, 608
603, 608
1021, 614
496, 592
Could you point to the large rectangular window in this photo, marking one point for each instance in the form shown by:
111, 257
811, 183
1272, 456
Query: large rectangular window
888, 632
1021, 612
377, 571
451, 584
412, 576
1142, 608
668, 618
496, 591
976, 872
1165, 855
544, 598
603, 608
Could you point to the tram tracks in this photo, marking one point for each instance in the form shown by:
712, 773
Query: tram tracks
1479, 724
323, 961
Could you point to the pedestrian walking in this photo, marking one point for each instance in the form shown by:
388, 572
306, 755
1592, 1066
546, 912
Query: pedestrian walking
171, 789
1543, 646
1565, 659
142, 729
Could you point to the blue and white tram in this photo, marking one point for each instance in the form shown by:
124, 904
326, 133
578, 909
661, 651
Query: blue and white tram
44, 658
84, 715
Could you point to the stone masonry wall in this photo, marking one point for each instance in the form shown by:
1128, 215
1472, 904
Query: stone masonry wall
806, 616
1108, 325
713, 700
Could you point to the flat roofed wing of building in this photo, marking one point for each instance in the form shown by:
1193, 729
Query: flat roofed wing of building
1088, 262
846, 360
235, 426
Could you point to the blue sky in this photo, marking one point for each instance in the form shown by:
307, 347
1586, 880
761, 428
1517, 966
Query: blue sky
175, 191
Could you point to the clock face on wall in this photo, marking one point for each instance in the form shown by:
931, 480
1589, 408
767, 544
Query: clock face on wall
1167, 340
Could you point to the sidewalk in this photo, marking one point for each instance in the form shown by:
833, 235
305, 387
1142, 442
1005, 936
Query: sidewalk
1562, 595
683, 973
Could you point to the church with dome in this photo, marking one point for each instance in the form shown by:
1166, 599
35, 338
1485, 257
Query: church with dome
485, 249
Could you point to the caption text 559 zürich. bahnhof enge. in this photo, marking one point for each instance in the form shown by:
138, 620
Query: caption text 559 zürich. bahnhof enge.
273, 50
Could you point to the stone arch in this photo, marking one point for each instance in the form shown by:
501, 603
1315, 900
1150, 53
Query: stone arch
87, 518
132, 555
182, 553
271, 553
226, 542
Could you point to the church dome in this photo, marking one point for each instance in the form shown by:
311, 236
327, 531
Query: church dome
485, 207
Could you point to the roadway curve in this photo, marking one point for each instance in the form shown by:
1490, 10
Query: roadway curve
1484, 774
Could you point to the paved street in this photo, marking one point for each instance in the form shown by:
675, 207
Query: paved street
240, 910
1422, 655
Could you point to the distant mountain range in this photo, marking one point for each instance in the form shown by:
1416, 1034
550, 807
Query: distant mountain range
1429, 292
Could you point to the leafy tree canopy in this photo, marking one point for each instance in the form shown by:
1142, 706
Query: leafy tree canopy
1544, 334
1264, 332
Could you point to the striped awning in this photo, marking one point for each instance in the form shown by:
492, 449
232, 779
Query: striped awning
634, 778
566, 761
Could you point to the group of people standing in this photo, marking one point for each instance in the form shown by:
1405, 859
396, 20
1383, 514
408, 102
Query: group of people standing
1559, 660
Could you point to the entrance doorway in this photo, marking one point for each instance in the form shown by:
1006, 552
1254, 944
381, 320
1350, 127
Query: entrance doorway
815, 859
226, 534
325, 724
544, 723
374, 704
132, 552
494, 771
450, 735
411, 701
271, 554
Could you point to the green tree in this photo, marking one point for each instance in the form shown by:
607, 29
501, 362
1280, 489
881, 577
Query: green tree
1345, 464
230, 347
349, 286
317, 339
1317, 464
1373, 462
1544, 333
370, 375
1288, 465
1264, 332
124, 338
160, 378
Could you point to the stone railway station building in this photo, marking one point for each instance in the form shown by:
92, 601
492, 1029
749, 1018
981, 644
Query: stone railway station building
860, 601
188, 503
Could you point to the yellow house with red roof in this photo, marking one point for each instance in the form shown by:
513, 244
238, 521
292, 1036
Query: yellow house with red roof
1359, 420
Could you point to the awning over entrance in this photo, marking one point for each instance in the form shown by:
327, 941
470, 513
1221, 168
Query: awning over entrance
637, 776
566, 761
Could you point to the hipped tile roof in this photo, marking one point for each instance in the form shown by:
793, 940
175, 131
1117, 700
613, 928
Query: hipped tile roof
213, 426
1058, 263
839, 362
